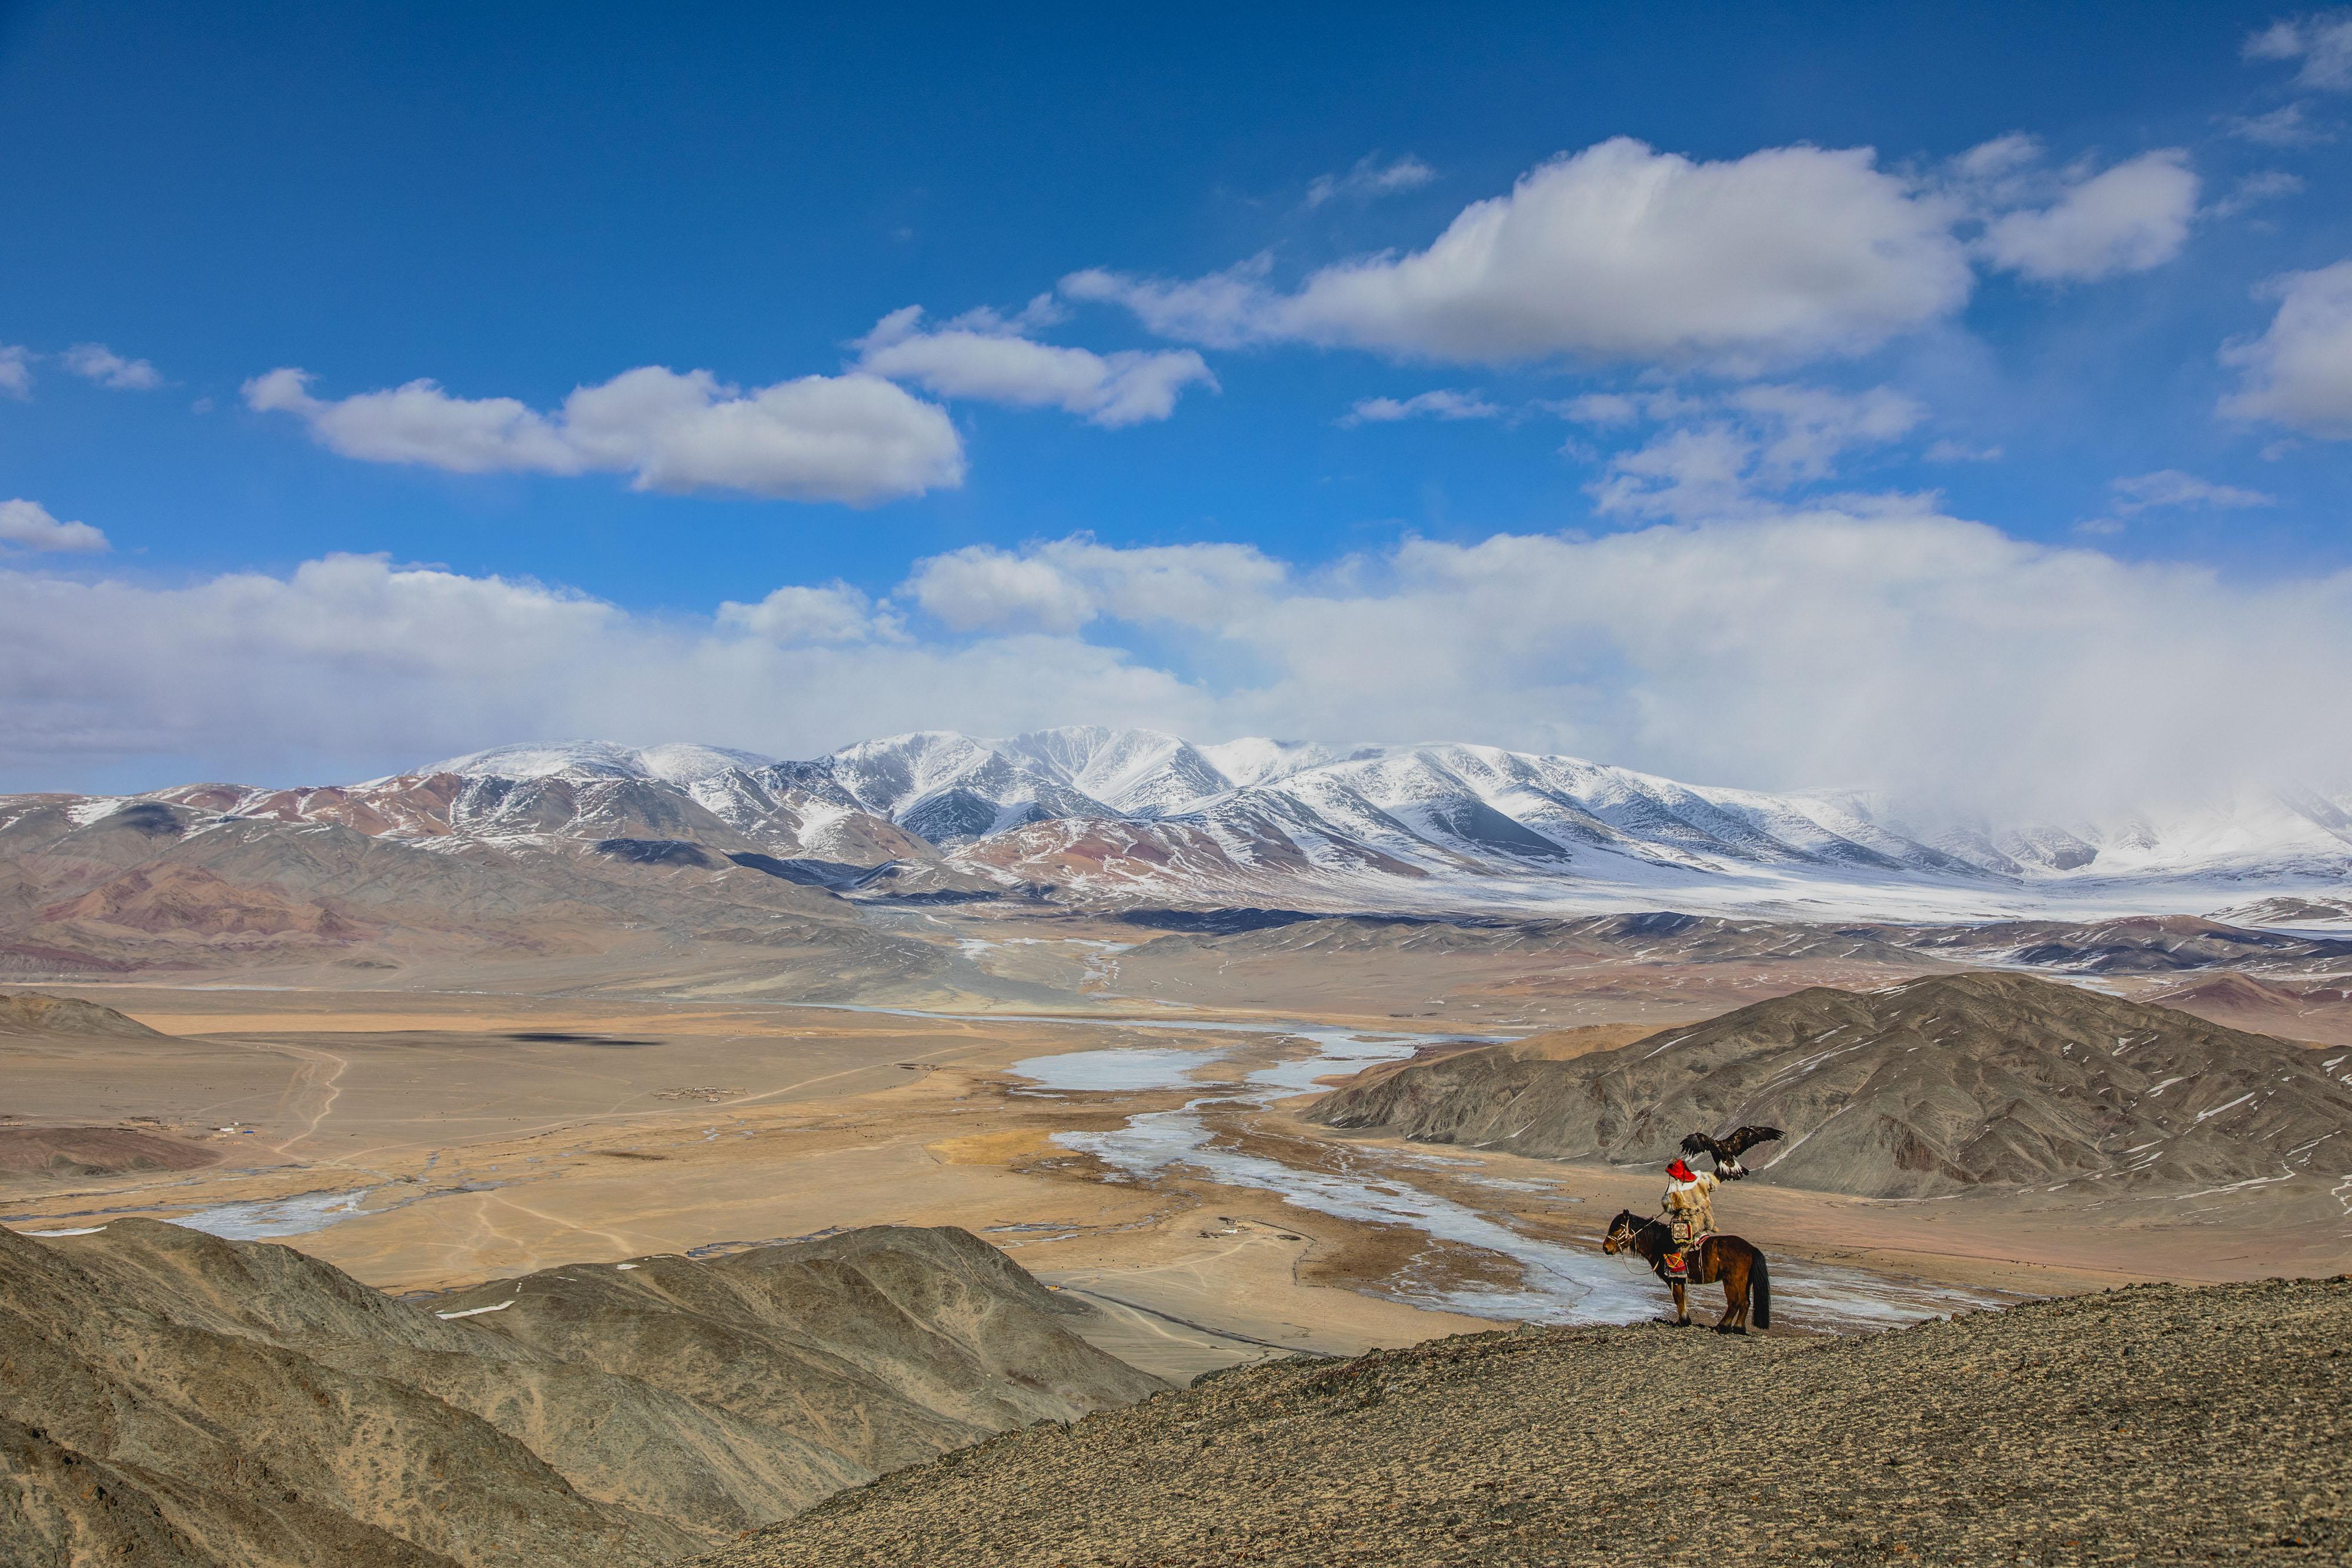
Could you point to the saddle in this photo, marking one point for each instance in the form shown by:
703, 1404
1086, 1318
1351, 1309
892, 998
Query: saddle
1677, 1262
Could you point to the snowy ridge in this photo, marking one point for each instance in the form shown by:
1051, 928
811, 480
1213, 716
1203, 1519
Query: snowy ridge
1133, 816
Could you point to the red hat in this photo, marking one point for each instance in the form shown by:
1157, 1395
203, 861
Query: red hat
1680, 1171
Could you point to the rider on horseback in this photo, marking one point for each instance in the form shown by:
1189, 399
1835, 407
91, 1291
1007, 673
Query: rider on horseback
1688, 1209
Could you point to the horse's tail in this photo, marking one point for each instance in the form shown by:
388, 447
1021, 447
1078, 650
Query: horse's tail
1759, 1287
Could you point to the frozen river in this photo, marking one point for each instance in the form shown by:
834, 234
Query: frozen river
1560, 1284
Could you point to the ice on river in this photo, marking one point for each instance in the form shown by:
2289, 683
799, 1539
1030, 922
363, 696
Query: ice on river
1560, 1284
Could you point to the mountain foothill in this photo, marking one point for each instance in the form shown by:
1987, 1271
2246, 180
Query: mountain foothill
175, 1398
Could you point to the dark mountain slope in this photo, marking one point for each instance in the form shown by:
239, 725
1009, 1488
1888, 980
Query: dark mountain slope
217, 1402
1936, 1086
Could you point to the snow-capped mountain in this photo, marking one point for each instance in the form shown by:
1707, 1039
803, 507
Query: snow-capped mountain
1136, 816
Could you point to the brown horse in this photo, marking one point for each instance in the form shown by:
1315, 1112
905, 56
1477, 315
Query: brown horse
1725, 1259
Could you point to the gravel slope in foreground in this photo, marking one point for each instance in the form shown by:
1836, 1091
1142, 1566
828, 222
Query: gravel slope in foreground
2158, 1423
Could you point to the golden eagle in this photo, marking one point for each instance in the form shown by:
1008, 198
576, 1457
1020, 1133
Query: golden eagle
1727, 1153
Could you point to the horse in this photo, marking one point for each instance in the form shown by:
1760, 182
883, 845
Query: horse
1740, 1266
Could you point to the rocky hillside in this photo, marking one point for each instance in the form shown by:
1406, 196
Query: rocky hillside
1941, 1085
169, 1398
2152, 1425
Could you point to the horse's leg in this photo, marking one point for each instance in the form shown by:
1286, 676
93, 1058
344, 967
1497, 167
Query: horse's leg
1735, 1294
1682, 1307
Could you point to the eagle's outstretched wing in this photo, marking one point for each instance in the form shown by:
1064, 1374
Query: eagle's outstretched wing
1700, 1144
1727, 1153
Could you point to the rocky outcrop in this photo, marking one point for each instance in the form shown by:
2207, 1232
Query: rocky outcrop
1937, 1086
169, 1397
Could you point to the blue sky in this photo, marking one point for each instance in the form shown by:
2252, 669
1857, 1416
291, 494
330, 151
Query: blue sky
2005, 331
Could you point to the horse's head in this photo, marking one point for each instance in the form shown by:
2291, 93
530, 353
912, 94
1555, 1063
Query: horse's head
1622, 1232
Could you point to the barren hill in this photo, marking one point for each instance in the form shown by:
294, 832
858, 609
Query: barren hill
172, 1399
1937, 1086
32, 1012
2151, 1424
2307, 1013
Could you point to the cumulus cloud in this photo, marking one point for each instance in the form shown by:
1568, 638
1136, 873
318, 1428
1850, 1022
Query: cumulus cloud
1616, 252
1061, 586
1370, 178
982, 356
1906, 648
26, 525
2128, 218
2298, 372
980, 588
1730, 455
2171, 487
856, 438
1442, 403
97, 363
2323, 43
15, 371
831, 612
2283, 127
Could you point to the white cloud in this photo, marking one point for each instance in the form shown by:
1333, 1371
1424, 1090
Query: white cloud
1724, 455
353, 667
2128, 219
983, 589
1906, 648
15, 371
834, 613
1370, 178
2263, 185
419, 423
29, 525
1616, 252
1810, 426
97, 363
2171, 487
1442, 403
2282, 127
854, 438
981, 356
1062, 586
2323, 43
2299, 372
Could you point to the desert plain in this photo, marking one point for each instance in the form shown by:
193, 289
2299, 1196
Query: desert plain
1115, 1108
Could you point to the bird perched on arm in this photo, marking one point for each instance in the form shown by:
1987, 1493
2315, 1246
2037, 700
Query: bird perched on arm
1727, 1152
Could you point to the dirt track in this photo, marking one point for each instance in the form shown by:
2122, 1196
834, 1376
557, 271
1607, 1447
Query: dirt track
2155, 1424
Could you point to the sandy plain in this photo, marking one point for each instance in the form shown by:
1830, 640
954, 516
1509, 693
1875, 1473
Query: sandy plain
427, 1139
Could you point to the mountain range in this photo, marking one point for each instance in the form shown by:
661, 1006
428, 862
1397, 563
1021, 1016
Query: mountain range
544, 849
